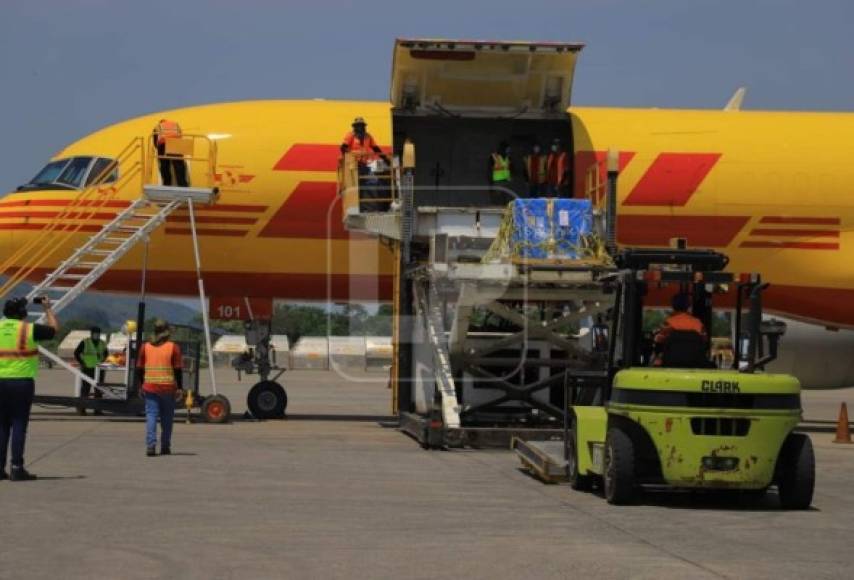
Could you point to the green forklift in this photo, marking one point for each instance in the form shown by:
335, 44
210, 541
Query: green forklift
664, 414
686, 423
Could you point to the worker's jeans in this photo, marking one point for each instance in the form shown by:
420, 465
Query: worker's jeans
163, 407
16, 397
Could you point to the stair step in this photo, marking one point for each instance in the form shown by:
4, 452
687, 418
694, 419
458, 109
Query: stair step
101, 252
89, 264
72, 276
59, 288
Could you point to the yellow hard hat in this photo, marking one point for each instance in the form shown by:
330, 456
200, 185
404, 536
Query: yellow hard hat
130, 326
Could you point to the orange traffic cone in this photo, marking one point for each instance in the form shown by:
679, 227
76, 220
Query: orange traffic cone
843, 434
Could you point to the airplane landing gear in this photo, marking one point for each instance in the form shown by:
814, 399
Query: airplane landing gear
267, 400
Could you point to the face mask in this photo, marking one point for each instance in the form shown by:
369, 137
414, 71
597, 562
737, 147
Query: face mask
554, 148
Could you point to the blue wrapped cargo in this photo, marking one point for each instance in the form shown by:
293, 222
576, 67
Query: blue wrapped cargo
549, 228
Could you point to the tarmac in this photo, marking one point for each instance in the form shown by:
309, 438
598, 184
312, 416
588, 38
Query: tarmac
335, 491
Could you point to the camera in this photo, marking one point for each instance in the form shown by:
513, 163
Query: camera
39, 299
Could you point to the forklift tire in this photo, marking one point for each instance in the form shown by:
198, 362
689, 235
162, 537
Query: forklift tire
796, 472
267, 400
576, 481
216, 409
619, 472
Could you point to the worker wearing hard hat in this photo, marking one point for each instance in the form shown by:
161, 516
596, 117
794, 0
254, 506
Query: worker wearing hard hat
19, 365
361, 144
158, 369
89, 353
557, 171
364, 148
173, 169
535, 171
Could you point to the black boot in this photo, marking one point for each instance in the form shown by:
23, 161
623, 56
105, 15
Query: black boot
151, 451
21, 474
165, 451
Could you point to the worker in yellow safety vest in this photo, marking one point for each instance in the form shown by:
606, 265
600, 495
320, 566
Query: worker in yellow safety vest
89, 353
500, 175
173, 168
535, 171
158, 368
19, 364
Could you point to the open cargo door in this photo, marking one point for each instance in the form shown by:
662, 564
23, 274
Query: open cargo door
482, 78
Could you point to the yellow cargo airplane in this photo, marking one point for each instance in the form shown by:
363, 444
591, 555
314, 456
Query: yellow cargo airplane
770, 189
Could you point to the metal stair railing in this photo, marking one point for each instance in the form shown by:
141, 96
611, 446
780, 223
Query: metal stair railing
33, 254
103, 250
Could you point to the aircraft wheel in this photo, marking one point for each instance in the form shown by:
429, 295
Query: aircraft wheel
216, 409
267, 400
577, 481
796, 474
619, 467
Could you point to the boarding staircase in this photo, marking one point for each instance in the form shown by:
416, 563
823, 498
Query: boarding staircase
136, 167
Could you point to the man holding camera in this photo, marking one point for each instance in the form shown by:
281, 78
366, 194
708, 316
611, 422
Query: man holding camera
19, 364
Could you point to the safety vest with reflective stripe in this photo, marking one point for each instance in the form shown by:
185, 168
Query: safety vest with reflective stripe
536, 168
167, 130
557, 168
363, 149
500, 168
19, 355
93, 353
158, 363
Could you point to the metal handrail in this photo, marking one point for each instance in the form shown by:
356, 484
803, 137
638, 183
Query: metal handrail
349, 182
210, 160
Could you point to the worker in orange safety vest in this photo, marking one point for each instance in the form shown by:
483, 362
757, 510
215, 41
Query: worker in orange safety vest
159, 369
680, 320
557, 171
173, 168
535, 172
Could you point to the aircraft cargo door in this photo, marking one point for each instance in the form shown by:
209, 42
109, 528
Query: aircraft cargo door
457, 101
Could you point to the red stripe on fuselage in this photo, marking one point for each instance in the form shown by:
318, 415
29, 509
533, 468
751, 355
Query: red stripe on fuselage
790, 245
63, 202
312, 210
792, 233
94, 215
216, 233
309, 157
672, 179
804, 221
699, 230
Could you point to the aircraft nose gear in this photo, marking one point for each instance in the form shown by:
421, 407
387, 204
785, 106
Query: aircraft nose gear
267, 399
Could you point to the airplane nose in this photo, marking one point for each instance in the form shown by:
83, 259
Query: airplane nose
14, 225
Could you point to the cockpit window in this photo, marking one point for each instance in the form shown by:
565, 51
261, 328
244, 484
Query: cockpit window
50, 172
73, 173
103, 171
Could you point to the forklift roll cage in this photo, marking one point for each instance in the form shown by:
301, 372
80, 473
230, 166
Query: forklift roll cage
701, 272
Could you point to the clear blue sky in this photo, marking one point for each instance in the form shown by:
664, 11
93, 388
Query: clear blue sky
68, 67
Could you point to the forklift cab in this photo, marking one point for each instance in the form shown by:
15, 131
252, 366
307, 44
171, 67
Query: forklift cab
649, 277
